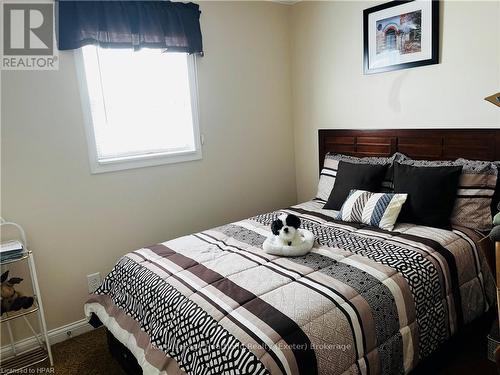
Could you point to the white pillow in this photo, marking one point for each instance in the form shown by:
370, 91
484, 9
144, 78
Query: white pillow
327, 178
375, 209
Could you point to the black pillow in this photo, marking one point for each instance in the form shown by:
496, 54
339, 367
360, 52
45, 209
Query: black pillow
354, 176
432, 192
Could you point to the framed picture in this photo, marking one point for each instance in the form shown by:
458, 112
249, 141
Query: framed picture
401, 35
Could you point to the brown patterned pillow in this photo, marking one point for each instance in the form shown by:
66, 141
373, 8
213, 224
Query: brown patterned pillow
476, 188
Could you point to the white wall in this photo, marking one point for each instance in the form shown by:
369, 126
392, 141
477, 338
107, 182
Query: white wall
330, 90
80, 223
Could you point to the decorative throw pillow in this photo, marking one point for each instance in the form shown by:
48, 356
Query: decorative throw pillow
330, 167
476, 188
375, 209
432, 192
350, 176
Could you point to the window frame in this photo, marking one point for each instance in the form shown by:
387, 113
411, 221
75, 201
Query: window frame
137, 161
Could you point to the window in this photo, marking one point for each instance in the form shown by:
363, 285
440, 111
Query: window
140, 106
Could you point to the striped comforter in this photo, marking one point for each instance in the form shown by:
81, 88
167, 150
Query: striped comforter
363, 301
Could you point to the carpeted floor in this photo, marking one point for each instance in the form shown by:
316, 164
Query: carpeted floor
88, 354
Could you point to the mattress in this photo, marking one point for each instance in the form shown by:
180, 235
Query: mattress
364, 300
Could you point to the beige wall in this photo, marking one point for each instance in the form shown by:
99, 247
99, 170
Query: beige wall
80, 223
330, 90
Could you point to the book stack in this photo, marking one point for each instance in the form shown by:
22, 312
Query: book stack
11, 250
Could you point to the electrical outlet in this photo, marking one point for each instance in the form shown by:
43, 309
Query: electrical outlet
94, 281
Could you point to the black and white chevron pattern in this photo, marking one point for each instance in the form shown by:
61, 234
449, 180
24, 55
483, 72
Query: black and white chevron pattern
177, 325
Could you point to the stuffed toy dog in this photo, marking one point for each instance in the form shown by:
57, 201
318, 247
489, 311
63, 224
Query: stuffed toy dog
12, 300
287, 238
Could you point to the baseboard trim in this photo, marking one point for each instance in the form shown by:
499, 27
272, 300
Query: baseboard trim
55, 335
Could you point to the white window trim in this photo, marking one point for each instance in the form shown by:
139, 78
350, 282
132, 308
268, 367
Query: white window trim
141, 161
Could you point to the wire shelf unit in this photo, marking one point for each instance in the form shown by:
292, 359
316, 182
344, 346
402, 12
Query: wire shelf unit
17, 361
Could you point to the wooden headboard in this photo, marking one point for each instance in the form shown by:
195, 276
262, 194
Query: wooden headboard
430, 144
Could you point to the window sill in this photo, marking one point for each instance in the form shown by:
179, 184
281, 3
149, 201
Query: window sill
142, 161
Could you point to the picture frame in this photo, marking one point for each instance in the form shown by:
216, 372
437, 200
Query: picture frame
400, 35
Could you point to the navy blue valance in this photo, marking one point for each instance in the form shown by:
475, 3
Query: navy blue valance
167, 25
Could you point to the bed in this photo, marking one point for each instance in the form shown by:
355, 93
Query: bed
365, 300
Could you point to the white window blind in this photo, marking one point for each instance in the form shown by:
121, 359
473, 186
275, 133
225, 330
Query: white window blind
141, 107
